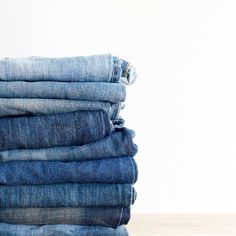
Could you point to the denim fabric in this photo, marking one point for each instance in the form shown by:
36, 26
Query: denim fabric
67, 195
97, 68
93, 91
104, 216
60, 230
17, 107
66, 129
115, 170
120, 143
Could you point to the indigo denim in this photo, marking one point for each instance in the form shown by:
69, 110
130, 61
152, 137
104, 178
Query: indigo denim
115, 170
60, 230
105, 216
19, 107
67, 195
117, 144
86, 91
66, 129
97, 68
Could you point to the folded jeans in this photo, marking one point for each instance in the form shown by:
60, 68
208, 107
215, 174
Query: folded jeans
117, 144
65, 129
83, 91
67, 195
60, 230
24, 106
114, 170
96, 68
104, 216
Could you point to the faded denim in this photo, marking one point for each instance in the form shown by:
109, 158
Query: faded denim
67, 195
115, 170
60, 230
117, 144
66, 129
19, 107
105, 216
97, 68
85, 91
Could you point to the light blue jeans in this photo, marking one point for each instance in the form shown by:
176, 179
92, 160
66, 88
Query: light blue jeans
60, 230
83, 91
97, 68
19, 107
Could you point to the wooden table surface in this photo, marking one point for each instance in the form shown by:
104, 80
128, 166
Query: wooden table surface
182, 225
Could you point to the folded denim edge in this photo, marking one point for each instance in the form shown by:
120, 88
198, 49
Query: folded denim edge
123, 72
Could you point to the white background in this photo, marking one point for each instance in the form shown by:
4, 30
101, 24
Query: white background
183, 105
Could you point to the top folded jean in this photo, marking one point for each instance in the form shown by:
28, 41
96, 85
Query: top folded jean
97, 68
76, 128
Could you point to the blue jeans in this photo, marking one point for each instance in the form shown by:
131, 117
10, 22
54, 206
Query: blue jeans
67, 195
117, 144
65, 129
60, 230
105, 216
18, 106
98, 68
115, 170
84, 91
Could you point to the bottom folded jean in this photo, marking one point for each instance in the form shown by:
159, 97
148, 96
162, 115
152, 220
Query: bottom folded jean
67, 195
103, 216
60, 230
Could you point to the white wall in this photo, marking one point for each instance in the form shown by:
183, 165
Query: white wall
183, 106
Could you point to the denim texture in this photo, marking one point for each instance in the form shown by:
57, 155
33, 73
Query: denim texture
105, 216
60, 230
115, 170
117, 144
67, 195
66, 129
87, 91
96, 68
19, 107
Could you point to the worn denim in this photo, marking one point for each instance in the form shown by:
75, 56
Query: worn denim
97, 68
66, 129
117, 144
60, 230
85, 91
67, 195
115, 170
19, 107
105, 216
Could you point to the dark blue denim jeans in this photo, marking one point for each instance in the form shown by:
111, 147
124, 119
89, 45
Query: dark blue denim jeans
65, 129
115, 170
105, 216
67, 195
117, 144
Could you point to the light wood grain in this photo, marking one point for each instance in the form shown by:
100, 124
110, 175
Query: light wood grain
182, 225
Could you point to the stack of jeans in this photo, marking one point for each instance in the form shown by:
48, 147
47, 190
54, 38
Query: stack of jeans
66, 159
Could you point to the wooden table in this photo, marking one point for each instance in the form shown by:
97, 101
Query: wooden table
182, 225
